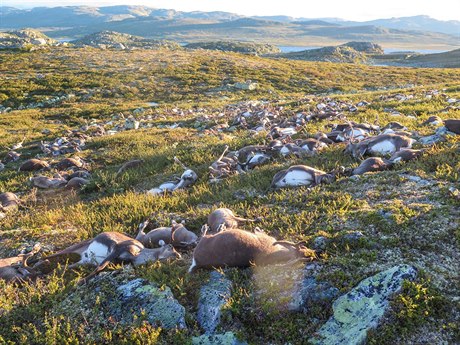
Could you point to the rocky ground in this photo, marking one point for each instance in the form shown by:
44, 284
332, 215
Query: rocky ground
387, 269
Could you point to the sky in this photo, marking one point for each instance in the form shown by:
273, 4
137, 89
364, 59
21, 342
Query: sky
359, 10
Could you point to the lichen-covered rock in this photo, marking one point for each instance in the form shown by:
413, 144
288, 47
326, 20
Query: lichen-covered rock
119, 297
248, 85
362, 308
228, 338
320, 243
353, 237
312, 292
213, 295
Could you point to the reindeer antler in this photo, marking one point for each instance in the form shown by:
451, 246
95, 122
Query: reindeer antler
179, 162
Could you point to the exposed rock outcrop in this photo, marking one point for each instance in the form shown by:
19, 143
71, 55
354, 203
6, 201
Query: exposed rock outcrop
365, 47
328, 54
121, 41
24, 39
362, 308
213, 296
122, 298
236, 47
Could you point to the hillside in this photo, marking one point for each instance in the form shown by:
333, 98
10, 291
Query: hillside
343, 54
111, 39
27, 38
379, 251
450, 59
236, 47
244, 29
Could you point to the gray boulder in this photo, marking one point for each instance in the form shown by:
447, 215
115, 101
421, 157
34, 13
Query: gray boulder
311, 292
120, 297
362, 308
213, 296
228, 338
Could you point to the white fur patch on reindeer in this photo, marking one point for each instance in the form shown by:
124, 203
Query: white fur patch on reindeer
285, 151
296, 178
95, 254
383, 147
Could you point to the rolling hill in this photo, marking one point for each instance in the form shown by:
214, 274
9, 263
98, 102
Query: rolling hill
76, 21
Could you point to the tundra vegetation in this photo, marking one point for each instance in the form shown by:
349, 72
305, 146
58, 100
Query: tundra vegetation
184, 104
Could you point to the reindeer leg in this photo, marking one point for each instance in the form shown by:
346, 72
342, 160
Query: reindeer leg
99, 268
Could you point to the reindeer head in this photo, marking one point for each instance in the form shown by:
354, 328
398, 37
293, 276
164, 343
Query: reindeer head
299, 251
188, 178
326, 178
167, 251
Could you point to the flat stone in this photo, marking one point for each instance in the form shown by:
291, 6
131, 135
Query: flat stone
353, 237
312, 292
246, 86
362, 308
432, 139
228, 338
120, 297
213, 295
320, 243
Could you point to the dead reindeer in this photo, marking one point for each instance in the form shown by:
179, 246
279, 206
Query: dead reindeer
311, 145
301, 175
322, 137
78, 173
245, 153
18, 145
34, 165
381, 144
12, 156
177, 235
9, 202
76, 183
240, 248
224, 166
16, 269
453, 125
372, 164
112, 247
433, 121
356, 133
291, 149
129, 165
188, 178
406, 155
255, 160
395, 126
223, 218
45, 182
67, 163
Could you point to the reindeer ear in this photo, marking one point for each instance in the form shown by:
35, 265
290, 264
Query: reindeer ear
161, 243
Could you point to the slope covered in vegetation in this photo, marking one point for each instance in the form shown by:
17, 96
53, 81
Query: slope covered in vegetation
185, 106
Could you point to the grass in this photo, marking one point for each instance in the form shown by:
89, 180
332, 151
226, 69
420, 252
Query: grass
402, 220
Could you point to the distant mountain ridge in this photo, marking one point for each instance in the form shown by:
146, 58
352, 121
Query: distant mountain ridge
84, 15
77, 21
